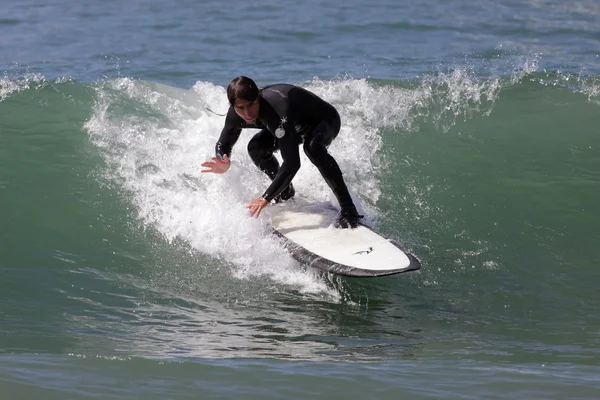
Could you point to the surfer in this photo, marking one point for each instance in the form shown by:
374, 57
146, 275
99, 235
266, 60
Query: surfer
287, 116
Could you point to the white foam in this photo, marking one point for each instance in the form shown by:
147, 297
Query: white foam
10, 85
155, 137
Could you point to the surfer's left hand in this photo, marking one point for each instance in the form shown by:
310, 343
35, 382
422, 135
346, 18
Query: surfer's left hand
256, 206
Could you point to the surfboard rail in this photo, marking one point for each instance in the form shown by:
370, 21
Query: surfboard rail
313, 260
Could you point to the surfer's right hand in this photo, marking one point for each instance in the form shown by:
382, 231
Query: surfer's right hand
217, 165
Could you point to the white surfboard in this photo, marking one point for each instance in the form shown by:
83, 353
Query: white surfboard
309, 235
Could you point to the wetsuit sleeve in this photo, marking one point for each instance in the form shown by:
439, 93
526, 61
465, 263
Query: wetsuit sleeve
229, 135
288, 147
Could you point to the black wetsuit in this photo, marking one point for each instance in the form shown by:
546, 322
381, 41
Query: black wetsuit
288, 116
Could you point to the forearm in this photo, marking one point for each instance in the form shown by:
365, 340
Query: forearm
222, 149
282, 180
226, 141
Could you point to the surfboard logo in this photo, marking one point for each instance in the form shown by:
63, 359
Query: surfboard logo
370, 249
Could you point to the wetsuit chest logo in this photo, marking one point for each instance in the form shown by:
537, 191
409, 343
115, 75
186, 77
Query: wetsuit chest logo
280, 131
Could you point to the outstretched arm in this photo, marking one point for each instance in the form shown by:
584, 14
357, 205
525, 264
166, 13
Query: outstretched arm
287, 171
289, 167
290, 155
229, 136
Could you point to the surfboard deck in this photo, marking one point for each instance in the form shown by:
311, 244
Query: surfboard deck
308, 233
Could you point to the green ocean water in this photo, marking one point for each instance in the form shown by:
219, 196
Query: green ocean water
119, 281
469, 134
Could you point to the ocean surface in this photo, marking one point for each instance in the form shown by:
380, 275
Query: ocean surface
470, 134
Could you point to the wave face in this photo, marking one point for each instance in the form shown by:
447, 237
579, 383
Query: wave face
485, 179
471, 141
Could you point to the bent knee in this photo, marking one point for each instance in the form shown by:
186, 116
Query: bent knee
255, 149
315, 151
311, 147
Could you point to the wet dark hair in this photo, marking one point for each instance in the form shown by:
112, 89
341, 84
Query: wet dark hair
242, 87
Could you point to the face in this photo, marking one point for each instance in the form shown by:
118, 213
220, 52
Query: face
247, 110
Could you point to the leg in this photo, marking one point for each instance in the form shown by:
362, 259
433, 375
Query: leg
260, 149
315, 147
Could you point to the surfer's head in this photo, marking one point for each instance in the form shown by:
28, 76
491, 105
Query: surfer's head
242, 94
